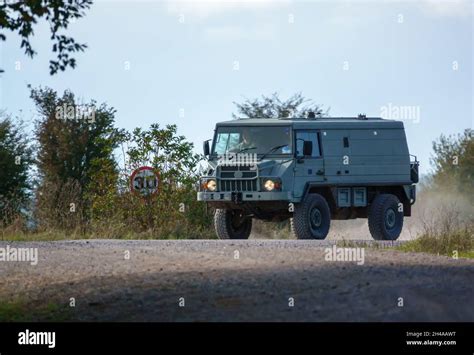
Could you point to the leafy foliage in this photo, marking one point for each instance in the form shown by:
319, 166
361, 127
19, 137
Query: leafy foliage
453, 161
174, 211
164, 150
15, 161
21, 16
74, 152
274, 107
82, 191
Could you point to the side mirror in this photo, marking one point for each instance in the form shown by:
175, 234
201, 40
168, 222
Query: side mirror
205, 148
307, 148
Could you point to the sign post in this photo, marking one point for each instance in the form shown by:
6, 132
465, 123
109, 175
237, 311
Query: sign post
145, 181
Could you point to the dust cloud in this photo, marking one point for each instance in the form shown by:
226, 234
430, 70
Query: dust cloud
432, 208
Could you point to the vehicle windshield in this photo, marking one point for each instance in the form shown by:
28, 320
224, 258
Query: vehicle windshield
253, 140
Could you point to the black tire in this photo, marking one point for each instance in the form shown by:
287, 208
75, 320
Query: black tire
311, 218
385, 219
232, 224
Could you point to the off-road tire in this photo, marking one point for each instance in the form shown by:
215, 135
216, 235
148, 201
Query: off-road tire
383, 224
302, 225
224, 224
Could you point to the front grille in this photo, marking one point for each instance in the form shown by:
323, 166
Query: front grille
243, 174
237, 167
238, 185
237, 178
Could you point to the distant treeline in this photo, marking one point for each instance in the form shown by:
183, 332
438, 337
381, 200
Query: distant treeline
71, 175
67, 177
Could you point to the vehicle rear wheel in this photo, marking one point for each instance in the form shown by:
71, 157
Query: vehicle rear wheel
311, 218
232, 224
385, 219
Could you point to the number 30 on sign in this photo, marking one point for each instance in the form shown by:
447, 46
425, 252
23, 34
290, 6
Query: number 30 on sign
145, 181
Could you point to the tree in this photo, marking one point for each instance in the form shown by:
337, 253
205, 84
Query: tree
75, 156
453, 162
174, 210
166, 151
21, 16
15, 162
274, 107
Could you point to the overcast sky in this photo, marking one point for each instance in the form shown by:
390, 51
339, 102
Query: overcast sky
186, 62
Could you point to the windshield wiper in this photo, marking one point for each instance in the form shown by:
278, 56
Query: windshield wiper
273, 149
242, 150
245, 149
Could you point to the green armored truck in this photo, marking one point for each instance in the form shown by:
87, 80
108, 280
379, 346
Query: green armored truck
309, 170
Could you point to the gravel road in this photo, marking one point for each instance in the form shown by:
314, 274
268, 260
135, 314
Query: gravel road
271, 280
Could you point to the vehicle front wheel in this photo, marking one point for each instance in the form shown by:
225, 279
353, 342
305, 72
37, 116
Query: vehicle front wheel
232, 224
311, 218
385, 217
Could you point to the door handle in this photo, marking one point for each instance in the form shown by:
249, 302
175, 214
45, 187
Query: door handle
320, 172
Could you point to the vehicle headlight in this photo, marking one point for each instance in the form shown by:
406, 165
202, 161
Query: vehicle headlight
269, 185
210, 185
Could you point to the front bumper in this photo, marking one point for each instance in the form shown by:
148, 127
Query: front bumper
244, 196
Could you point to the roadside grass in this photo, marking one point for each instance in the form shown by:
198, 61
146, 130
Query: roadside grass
21, 311
52, 235
458, 242
371, 244
40, 236
469, 254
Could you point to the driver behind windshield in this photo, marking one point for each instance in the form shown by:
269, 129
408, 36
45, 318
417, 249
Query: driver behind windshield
264, 141
246, 142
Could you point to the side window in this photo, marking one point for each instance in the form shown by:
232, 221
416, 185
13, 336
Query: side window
307, 136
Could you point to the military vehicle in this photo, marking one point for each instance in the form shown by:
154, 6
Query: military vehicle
309, 170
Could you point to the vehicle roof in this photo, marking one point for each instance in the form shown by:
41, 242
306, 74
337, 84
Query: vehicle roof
326, 122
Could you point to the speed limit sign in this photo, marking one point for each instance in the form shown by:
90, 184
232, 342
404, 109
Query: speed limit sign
145, 181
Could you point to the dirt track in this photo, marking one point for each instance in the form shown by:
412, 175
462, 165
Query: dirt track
255, 287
